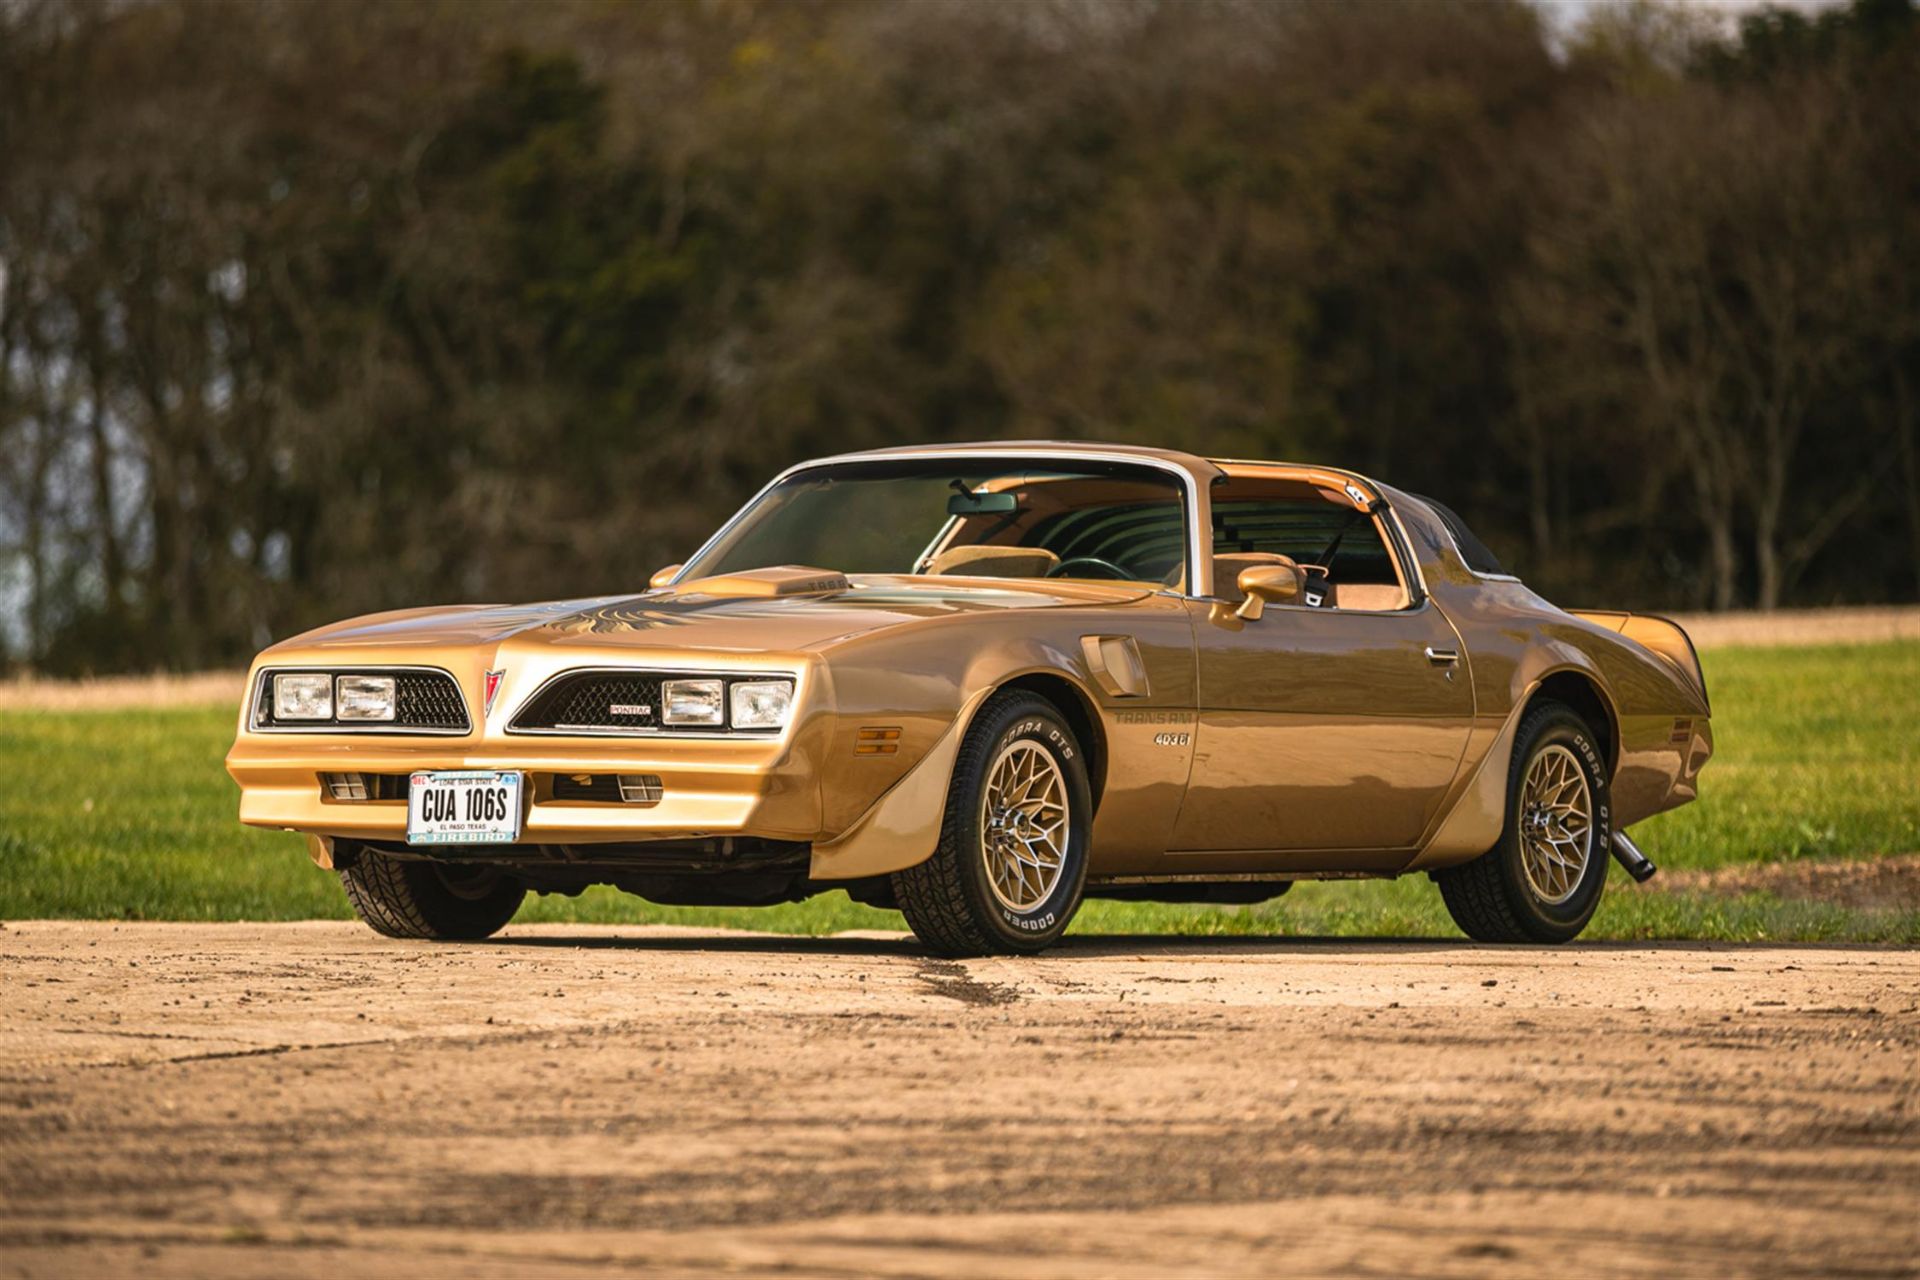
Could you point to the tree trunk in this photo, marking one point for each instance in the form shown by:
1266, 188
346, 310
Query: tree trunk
1723, 562
1766, 559
36, 520
1909, 465
113, 571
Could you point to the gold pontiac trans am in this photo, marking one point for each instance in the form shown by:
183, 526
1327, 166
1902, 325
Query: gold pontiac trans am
981, 683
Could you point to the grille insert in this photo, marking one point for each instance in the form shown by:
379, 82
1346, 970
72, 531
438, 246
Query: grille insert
428, 700
595, 700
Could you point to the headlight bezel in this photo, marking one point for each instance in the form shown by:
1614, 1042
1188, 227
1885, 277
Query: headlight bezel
553, 708
446, 712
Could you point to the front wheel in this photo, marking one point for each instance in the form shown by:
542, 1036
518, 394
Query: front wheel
1542, 882
405, 898
1011, 864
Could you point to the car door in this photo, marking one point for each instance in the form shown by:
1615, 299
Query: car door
1323, 736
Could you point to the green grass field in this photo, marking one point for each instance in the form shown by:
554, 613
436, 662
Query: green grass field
111, 815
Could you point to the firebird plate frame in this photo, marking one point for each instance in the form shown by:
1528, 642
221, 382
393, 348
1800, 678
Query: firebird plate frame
465, 806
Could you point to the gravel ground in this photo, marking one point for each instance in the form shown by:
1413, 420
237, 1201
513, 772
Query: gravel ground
310, 1100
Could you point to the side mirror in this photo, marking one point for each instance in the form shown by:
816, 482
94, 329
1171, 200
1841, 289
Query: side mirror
1265, 584
661, 577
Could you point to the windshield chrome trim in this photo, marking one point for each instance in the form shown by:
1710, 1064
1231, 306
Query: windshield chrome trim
1199, 575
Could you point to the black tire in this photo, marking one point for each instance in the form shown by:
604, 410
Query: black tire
1492, 898
403, 898
949, 900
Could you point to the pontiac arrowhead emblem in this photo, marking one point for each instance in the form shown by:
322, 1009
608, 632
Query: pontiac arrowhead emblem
493, 687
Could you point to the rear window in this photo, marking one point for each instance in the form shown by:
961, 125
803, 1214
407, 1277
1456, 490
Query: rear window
1475, 552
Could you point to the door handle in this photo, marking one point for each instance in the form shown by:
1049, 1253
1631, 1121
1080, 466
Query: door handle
1442, 657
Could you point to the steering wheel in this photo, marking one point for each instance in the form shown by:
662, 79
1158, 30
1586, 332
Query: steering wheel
1107, 567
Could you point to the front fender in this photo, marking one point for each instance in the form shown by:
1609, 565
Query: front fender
902, 828
884, 812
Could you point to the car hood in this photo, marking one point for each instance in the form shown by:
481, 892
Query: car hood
694, 619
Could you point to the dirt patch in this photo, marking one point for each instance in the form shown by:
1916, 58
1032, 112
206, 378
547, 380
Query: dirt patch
1873, 624
1866, 884
310, 1100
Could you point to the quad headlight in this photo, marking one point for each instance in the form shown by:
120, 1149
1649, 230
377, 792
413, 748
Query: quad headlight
761, 704
305, 697
694, 702
736, 704
316, 696
364, 697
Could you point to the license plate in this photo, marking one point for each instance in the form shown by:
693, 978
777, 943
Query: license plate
471, 806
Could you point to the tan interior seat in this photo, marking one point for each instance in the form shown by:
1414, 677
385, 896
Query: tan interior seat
983, 560
1371, 597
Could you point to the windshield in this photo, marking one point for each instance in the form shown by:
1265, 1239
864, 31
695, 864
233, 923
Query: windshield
965, 517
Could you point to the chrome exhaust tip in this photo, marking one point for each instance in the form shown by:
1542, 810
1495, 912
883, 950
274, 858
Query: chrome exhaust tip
1628, 855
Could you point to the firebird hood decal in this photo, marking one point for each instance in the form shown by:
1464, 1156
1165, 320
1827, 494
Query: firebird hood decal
692, 620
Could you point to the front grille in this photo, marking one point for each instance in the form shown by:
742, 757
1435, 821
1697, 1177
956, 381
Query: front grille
428, 700
586, 700
423, 700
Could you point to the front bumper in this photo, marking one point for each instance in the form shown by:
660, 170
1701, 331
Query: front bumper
708, 788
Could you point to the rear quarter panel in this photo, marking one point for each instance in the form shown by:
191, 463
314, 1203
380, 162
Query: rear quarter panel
1516, 641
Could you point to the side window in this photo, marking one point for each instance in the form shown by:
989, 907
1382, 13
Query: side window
1343, 541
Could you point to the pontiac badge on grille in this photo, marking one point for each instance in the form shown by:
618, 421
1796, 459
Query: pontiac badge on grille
629, 709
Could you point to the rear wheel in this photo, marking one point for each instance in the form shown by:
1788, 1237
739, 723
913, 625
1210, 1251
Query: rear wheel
403, 898
1012, 860
1542, 882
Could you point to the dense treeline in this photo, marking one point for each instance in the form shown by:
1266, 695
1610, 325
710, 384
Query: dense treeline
309, 309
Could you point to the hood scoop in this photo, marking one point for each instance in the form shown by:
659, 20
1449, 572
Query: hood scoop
766, 584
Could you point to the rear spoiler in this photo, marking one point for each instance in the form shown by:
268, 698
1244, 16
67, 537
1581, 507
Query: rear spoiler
1663, 637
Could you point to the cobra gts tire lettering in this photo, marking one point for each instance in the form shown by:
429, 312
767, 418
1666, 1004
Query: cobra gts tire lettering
1040, 728
1602, 817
